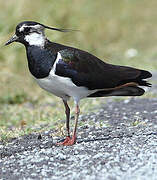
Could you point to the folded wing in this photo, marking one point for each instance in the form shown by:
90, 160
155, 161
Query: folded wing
87, 70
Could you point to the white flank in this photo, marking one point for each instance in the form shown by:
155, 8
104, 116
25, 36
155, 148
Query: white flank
35, 39
62, 86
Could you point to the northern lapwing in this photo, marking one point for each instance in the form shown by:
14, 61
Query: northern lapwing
70, 72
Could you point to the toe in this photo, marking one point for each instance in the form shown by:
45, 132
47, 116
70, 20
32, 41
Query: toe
66, 140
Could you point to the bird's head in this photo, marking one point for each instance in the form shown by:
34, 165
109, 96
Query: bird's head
31, 33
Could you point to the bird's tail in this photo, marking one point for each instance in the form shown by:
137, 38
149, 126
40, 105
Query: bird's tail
127, 87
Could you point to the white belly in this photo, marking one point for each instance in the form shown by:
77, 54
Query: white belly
63, 87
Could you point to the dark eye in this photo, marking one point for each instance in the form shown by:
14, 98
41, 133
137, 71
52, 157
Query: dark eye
27, 29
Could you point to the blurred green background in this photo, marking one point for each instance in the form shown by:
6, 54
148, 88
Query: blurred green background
121, 32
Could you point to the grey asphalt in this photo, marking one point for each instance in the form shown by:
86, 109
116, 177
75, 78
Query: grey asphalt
117, 142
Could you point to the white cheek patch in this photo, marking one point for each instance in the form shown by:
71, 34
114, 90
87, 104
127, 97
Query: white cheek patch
35, 39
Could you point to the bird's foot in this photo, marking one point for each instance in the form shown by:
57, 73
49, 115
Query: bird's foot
68, 141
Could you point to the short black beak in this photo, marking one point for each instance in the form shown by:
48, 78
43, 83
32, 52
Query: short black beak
12, 39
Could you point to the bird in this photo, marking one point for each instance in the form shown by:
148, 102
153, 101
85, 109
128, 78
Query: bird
68, 72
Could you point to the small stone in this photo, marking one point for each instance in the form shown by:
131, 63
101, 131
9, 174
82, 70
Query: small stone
61, 156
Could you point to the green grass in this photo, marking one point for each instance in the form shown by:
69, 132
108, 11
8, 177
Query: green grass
108, 29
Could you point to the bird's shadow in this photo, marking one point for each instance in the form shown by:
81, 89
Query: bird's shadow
81, 140
108, 137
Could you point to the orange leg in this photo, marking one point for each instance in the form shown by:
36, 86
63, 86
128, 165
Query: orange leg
70, 141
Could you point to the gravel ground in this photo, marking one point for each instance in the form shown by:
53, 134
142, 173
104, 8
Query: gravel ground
117, 142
